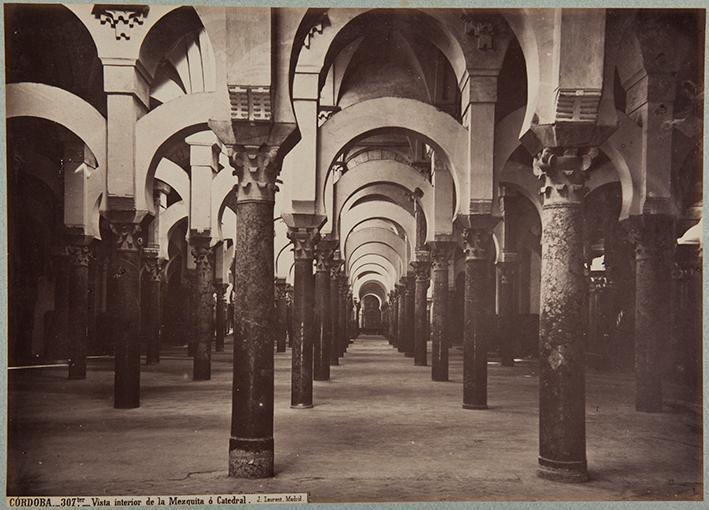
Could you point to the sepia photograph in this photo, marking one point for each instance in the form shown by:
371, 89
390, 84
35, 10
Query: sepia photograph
294, 254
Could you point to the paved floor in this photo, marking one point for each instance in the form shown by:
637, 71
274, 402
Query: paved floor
380, 431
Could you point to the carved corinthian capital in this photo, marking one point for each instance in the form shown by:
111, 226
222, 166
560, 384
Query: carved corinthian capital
563, 173
256, 168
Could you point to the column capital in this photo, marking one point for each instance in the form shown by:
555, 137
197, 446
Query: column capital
440, 253
304, 242
280, 288
126, 236
152, 266
80, 255
323, 254
477, 242
651, 234
160, 188
422, 268
257, 170
201, 249
562, 171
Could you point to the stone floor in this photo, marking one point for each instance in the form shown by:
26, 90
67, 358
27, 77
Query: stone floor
380, 431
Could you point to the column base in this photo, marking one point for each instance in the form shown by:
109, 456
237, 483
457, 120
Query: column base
251, 458
420, 364
202, 372
301, 406
321, 379
334, 362
558, 471
409, 354
475, 406
439, 379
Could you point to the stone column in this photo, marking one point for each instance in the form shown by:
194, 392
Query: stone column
334, 310
421, 330
124, 308
440, 253
395, 317
654, 241
281, 314
202, 359
323, 319
151, 305
401, 316
79, 257
289, 313
506, 271
562, 322
304, 241
410, 280
351, 333
251, 441
220, 316
477, 242
57, 347
342, 312
358, 307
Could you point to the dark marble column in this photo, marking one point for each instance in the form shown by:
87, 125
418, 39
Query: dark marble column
124, 308
421, 328
289, 314
475, 335
220, 316
342, 312
58, 346
654, 241
79, 254
151, 305
304, 241
281, 314
401, 316
251, 440
323, 319
202, 360
351, 333
358, 307
440, 253
395, 317
336, 263
409, 307
562, 322
506, 271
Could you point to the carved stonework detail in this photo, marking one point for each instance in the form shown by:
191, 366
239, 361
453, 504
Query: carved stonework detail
325, 112
251, 103
652, 236
79, 255
320, 24
598, 282
563, 173
577, 105
422, 268
152, 268
280, 289
304, 241
335, 267
484, 29
323, 259
121, 18
476, 243
257, 170
440, 254
126, 236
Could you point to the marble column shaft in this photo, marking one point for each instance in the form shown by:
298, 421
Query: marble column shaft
304, 241
409, 309
506, 271
79, 258
562, 322
124, 308
401, 320
202, 359
421, 326
654, 240
281, 314
334, 312
323, 319
475, 334
251, 447
151, 306
220, 316
440, 253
